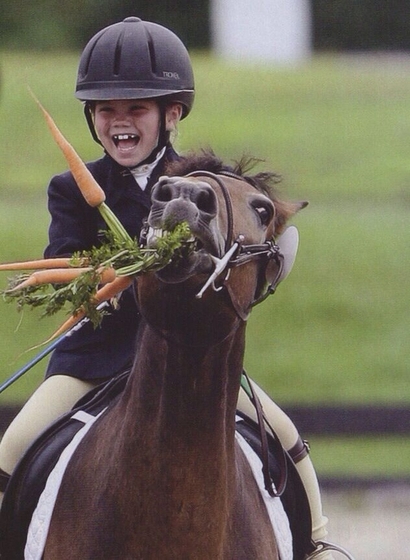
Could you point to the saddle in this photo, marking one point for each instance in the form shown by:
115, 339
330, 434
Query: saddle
30, 476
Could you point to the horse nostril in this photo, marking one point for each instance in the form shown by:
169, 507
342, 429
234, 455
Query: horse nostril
164, 193
201, 195
206, 201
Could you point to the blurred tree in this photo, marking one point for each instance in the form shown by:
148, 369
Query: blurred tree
337, 24
361, 24
52, 24
187, 18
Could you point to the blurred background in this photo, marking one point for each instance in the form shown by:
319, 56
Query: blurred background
320, 92
335, 24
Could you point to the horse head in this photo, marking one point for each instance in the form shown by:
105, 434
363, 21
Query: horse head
234, 220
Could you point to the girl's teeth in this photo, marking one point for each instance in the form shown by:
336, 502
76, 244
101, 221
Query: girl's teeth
128, 141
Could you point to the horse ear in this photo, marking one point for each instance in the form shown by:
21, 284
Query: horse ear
288, 244
284, 211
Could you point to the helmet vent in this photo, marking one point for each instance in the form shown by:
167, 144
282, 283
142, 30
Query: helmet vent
152, 56
117, 56
87, 61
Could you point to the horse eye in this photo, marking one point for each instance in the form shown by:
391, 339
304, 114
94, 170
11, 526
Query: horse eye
264, 211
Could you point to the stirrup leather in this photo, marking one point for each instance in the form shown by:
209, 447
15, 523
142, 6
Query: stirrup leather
324, 546
4, 479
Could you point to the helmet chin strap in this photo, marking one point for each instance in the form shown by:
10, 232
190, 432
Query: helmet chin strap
90, 121
163, 137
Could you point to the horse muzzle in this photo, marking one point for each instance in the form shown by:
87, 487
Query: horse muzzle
177, 200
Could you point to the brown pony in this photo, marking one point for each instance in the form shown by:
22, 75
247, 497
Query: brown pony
160, 475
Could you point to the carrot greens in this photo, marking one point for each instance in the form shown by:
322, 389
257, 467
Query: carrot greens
125, 256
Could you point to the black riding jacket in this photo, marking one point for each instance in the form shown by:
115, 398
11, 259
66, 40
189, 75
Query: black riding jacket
103, 352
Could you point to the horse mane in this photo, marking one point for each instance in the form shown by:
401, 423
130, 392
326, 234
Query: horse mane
206, 160
265, 181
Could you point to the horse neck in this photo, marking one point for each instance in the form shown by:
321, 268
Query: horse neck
177, 425
186, 392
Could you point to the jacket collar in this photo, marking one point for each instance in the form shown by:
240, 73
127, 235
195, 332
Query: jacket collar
120, 178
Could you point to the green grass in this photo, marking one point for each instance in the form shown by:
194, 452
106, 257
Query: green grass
23, 226
369, 457
338, 131
337, 329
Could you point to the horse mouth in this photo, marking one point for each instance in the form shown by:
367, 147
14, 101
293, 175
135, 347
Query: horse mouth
193, 257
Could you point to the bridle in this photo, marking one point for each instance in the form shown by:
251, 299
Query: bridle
236, 252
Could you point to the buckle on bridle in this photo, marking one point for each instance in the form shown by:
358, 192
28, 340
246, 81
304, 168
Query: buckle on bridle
247, 253
220, 265
144, 233
240, 254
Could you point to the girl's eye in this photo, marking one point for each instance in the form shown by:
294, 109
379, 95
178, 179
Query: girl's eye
104, 109
138, 108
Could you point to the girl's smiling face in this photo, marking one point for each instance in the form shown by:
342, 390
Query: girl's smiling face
129, 129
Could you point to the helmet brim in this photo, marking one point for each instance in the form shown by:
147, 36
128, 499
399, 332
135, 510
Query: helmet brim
124, 93
185, 97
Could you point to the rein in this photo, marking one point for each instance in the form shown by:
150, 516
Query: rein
237, 254
273, 491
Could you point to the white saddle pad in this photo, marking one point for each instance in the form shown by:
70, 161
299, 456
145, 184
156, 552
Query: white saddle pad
40, 522
277, 515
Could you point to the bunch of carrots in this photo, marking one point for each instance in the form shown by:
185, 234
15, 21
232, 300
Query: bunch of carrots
88, 278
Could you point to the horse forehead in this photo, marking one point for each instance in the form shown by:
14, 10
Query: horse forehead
239, 190
240, 195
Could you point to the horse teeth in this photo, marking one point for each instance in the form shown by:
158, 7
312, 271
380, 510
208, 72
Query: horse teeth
153, 234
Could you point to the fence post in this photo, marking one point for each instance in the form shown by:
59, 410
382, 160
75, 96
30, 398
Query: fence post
275, 31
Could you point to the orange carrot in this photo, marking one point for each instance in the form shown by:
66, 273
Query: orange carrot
111, 289
70, 323
107, 274
62, 276
90, 189
52, 276
107, 292
36, 264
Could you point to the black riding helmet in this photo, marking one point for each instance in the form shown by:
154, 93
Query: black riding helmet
136, 59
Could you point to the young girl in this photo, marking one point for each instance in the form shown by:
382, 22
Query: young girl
136, 80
